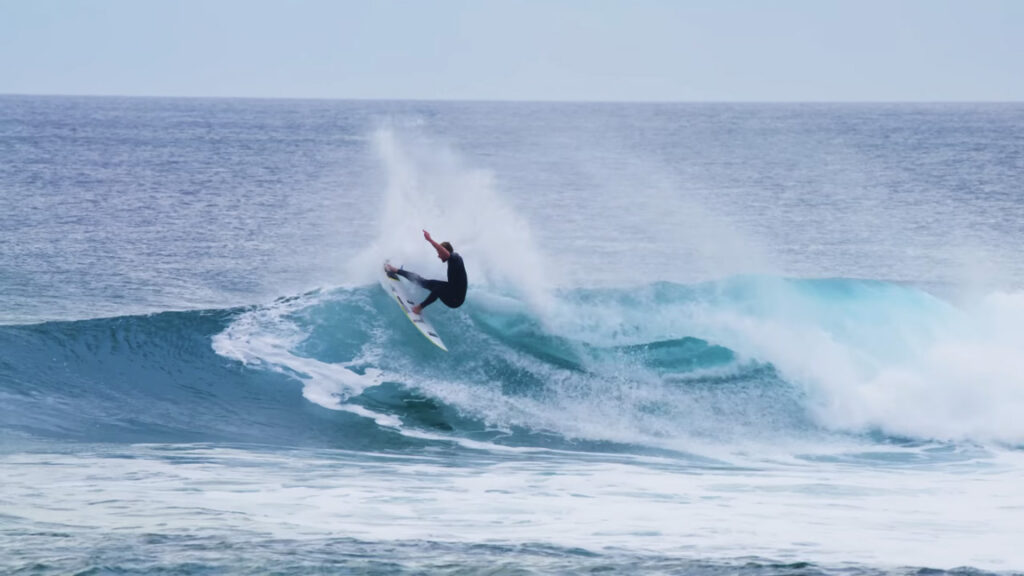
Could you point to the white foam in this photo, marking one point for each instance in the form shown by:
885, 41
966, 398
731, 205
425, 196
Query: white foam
266, 338
943, 373
867, 355
830, 514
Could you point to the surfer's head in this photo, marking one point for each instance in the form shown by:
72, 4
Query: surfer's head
448, 247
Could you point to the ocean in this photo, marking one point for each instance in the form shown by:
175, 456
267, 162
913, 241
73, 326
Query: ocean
707, 339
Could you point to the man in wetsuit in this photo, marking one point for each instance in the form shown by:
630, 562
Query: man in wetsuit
452, 292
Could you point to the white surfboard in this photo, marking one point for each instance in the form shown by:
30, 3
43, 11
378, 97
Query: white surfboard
400, 292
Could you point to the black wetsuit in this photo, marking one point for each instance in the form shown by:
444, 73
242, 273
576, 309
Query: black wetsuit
452, 292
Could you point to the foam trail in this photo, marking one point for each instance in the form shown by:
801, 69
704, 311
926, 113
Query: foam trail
267, 338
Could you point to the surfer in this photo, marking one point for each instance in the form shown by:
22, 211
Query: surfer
452, 292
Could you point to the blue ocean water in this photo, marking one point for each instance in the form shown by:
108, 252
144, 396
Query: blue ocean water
699, 338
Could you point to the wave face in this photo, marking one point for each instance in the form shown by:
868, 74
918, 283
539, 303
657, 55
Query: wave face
137, 379
661, 366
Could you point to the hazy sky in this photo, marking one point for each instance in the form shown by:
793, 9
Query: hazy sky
687, 50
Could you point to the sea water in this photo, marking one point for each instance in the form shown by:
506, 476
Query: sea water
699, 338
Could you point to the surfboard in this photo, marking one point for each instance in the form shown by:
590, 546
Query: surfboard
399, 291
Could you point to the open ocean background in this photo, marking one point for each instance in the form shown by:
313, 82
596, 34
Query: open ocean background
699, 338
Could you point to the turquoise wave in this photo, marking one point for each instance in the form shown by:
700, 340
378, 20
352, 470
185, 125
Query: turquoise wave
655, 365
148, 378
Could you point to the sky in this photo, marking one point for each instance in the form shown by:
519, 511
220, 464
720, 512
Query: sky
554, 50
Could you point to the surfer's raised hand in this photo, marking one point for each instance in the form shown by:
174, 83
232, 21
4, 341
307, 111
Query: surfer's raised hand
427, 236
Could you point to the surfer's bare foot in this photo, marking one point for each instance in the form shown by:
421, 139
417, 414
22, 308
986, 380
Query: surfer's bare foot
417, 309
390, 271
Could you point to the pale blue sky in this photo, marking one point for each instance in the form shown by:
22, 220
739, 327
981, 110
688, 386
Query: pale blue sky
637, 50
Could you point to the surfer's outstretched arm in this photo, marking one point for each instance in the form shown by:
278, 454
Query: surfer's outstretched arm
442, 252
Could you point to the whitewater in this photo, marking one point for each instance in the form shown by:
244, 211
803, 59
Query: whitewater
700, 338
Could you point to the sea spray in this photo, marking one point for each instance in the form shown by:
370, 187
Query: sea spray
428, 187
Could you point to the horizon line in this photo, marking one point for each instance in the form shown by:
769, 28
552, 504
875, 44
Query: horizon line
492, 100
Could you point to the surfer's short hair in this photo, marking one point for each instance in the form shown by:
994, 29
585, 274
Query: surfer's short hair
448, 247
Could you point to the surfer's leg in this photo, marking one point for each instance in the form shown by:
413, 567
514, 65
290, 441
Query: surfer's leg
430, 300
443, 290
413, 277
451, 300
437, 286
